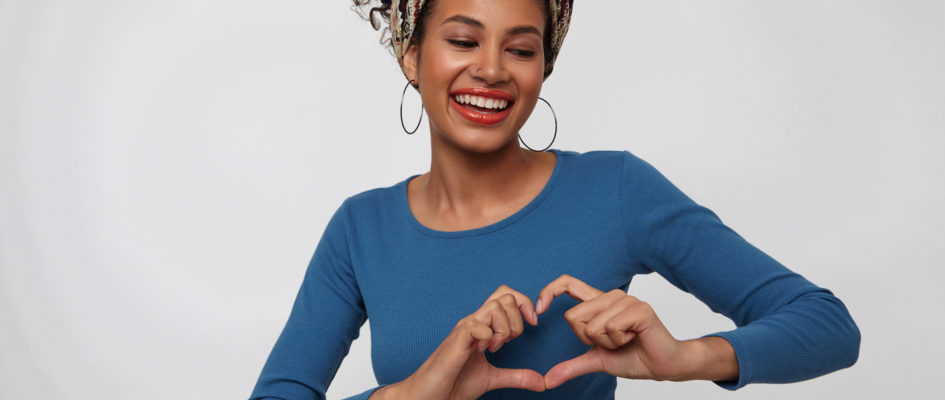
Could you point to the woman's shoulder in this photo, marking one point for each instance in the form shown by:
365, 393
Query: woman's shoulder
622, 170
378, 197
602, 161
598, 156
590, 155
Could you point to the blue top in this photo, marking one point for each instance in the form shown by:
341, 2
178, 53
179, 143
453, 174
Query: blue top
603, 217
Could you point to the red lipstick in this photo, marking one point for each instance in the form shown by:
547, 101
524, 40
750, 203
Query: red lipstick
485, 118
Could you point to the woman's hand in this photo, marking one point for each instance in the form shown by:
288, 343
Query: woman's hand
628, 338
458, 368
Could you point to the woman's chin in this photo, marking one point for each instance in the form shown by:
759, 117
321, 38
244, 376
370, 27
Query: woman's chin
480, 142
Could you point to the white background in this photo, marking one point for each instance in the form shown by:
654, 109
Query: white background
167, 167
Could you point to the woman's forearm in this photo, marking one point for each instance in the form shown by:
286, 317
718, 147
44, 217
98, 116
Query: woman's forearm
712, 358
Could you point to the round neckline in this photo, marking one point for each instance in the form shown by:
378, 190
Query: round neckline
545, 191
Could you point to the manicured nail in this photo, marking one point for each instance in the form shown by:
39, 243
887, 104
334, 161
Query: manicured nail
538, 307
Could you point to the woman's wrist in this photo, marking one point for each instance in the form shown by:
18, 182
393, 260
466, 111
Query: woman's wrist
394, 391
710, 358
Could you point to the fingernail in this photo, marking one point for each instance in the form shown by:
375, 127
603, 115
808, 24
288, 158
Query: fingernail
538, 307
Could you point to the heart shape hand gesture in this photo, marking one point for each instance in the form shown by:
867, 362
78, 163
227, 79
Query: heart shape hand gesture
627, 338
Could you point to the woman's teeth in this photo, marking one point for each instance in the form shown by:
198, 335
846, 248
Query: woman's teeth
482, 102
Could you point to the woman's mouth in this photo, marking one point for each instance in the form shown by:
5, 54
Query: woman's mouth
482, 106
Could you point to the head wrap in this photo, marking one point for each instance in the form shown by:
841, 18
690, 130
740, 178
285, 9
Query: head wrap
404, 15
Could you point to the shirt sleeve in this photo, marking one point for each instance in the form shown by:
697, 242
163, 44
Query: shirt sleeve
326, 317
788, 329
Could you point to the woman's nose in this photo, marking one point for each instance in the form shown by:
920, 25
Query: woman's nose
490, 68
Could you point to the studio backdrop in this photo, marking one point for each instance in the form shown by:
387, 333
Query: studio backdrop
167, 168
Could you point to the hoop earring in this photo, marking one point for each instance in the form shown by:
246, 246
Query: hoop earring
402, 125
552, 138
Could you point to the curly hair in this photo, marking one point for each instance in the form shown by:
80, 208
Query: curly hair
372, 13
379, 17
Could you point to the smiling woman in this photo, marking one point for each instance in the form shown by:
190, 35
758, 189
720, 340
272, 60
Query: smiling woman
446, 264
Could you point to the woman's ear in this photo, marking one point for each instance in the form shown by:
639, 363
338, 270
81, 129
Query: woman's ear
409, 64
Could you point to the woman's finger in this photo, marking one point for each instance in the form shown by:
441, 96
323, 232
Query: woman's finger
514, 315
581, 365
621, 327
468, 333
524, 304
607, 327
565, 284
495, 316
638, 319
579, 315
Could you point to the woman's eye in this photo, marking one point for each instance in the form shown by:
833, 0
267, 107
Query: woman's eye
462, 43
523, 53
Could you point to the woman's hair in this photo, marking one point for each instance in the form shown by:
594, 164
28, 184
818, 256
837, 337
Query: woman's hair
379, 17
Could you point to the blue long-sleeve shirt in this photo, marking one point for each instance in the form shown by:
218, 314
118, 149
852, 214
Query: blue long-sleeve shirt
603, 217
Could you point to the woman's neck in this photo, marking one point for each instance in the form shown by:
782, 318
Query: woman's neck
469, 188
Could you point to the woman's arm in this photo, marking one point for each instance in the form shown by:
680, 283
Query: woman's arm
788, 328
325, 319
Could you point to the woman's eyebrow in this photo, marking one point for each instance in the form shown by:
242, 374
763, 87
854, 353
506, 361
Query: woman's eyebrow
464, 20
517, 30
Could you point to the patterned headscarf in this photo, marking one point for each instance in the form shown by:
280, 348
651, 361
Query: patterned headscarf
404, 15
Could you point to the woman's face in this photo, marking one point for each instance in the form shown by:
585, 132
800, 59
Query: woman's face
480, 69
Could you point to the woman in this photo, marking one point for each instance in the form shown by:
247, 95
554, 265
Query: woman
445, 264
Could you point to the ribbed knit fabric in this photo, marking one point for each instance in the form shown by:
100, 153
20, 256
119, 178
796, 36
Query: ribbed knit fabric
603, 217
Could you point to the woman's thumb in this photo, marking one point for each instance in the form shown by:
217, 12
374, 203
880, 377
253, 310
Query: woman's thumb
516, 378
